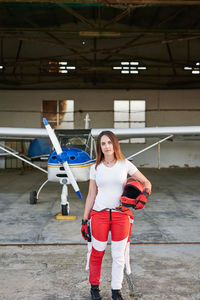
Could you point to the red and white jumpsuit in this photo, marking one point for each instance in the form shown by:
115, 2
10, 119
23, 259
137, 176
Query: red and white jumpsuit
105, 217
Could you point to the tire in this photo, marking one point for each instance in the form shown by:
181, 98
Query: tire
33, 199
65, 210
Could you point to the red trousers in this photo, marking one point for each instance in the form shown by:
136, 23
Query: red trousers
120, 225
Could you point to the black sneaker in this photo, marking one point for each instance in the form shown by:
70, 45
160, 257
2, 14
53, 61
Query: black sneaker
116, 295
95, 292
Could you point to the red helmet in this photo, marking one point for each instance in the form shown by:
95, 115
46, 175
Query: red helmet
134, 195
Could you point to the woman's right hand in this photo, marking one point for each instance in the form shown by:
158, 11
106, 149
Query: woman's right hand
84, 230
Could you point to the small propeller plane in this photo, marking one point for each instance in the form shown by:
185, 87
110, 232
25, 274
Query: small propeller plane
68, 164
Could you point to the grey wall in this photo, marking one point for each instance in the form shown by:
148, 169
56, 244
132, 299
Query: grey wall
164, 108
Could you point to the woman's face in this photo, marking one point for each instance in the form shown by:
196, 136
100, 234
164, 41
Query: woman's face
106, 145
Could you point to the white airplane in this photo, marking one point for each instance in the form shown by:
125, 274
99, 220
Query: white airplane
69, 165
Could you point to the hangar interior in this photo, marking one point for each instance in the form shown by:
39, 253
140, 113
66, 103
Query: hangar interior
95, 53
128, 63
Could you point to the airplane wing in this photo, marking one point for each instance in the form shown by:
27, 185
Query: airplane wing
184, 132
22, 133
166, 133
176, 131
121, 133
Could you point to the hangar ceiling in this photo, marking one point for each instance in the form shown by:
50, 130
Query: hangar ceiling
100, 44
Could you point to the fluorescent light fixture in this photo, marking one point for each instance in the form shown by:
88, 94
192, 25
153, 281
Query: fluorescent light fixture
61, 67
64, 63
195, 72
134, 63
125, 72
198, 63
1, 67
129, 67
71, 68
187, 68
63, 71
124, 63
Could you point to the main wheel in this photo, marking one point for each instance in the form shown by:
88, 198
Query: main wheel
33, 199
65, 210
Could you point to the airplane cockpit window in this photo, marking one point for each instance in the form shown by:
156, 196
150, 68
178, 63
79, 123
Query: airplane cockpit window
78, 141
79, 138
74, 141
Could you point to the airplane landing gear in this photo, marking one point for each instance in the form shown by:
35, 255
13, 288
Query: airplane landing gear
33, 197
64, 194
65, 210
64, 214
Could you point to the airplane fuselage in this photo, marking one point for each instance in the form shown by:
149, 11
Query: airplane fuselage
79, 162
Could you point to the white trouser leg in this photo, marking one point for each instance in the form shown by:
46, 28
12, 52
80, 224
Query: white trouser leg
118, 256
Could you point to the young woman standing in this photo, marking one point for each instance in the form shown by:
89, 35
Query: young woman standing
107, 179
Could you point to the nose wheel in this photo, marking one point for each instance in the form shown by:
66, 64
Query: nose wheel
64, 214
65, 209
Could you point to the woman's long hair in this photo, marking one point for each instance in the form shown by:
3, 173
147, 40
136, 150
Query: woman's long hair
116, 147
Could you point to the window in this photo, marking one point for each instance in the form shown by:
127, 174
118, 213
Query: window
59, 113
130, 114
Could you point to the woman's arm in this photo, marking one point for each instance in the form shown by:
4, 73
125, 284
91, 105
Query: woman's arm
90, 198
140, 177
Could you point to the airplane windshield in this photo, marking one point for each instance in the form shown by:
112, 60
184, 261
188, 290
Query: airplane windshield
77, 138
74, 141
77, 141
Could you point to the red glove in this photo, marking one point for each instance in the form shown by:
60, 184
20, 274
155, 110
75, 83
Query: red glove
142, 199
85, 231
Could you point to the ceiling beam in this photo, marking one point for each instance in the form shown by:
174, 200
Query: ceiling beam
119, 31
81, 18
17, 56
149, 2
106, 51
171, 58
109, 2
63, 44
118, 17
100, 62
127, 44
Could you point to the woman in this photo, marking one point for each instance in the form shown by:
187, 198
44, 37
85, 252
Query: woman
107, 178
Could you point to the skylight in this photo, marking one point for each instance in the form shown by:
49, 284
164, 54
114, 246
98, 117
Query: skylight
194, 70
60, 67
129, 67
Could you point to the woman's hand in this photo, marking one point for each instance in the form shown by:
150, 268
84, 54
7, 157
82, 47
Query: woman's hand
84, 230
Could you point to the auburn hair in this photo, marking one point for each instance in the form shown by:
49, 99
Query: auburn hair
116, 147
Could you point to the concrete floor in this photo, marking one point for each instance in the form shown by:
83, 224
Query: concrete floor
42, 258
